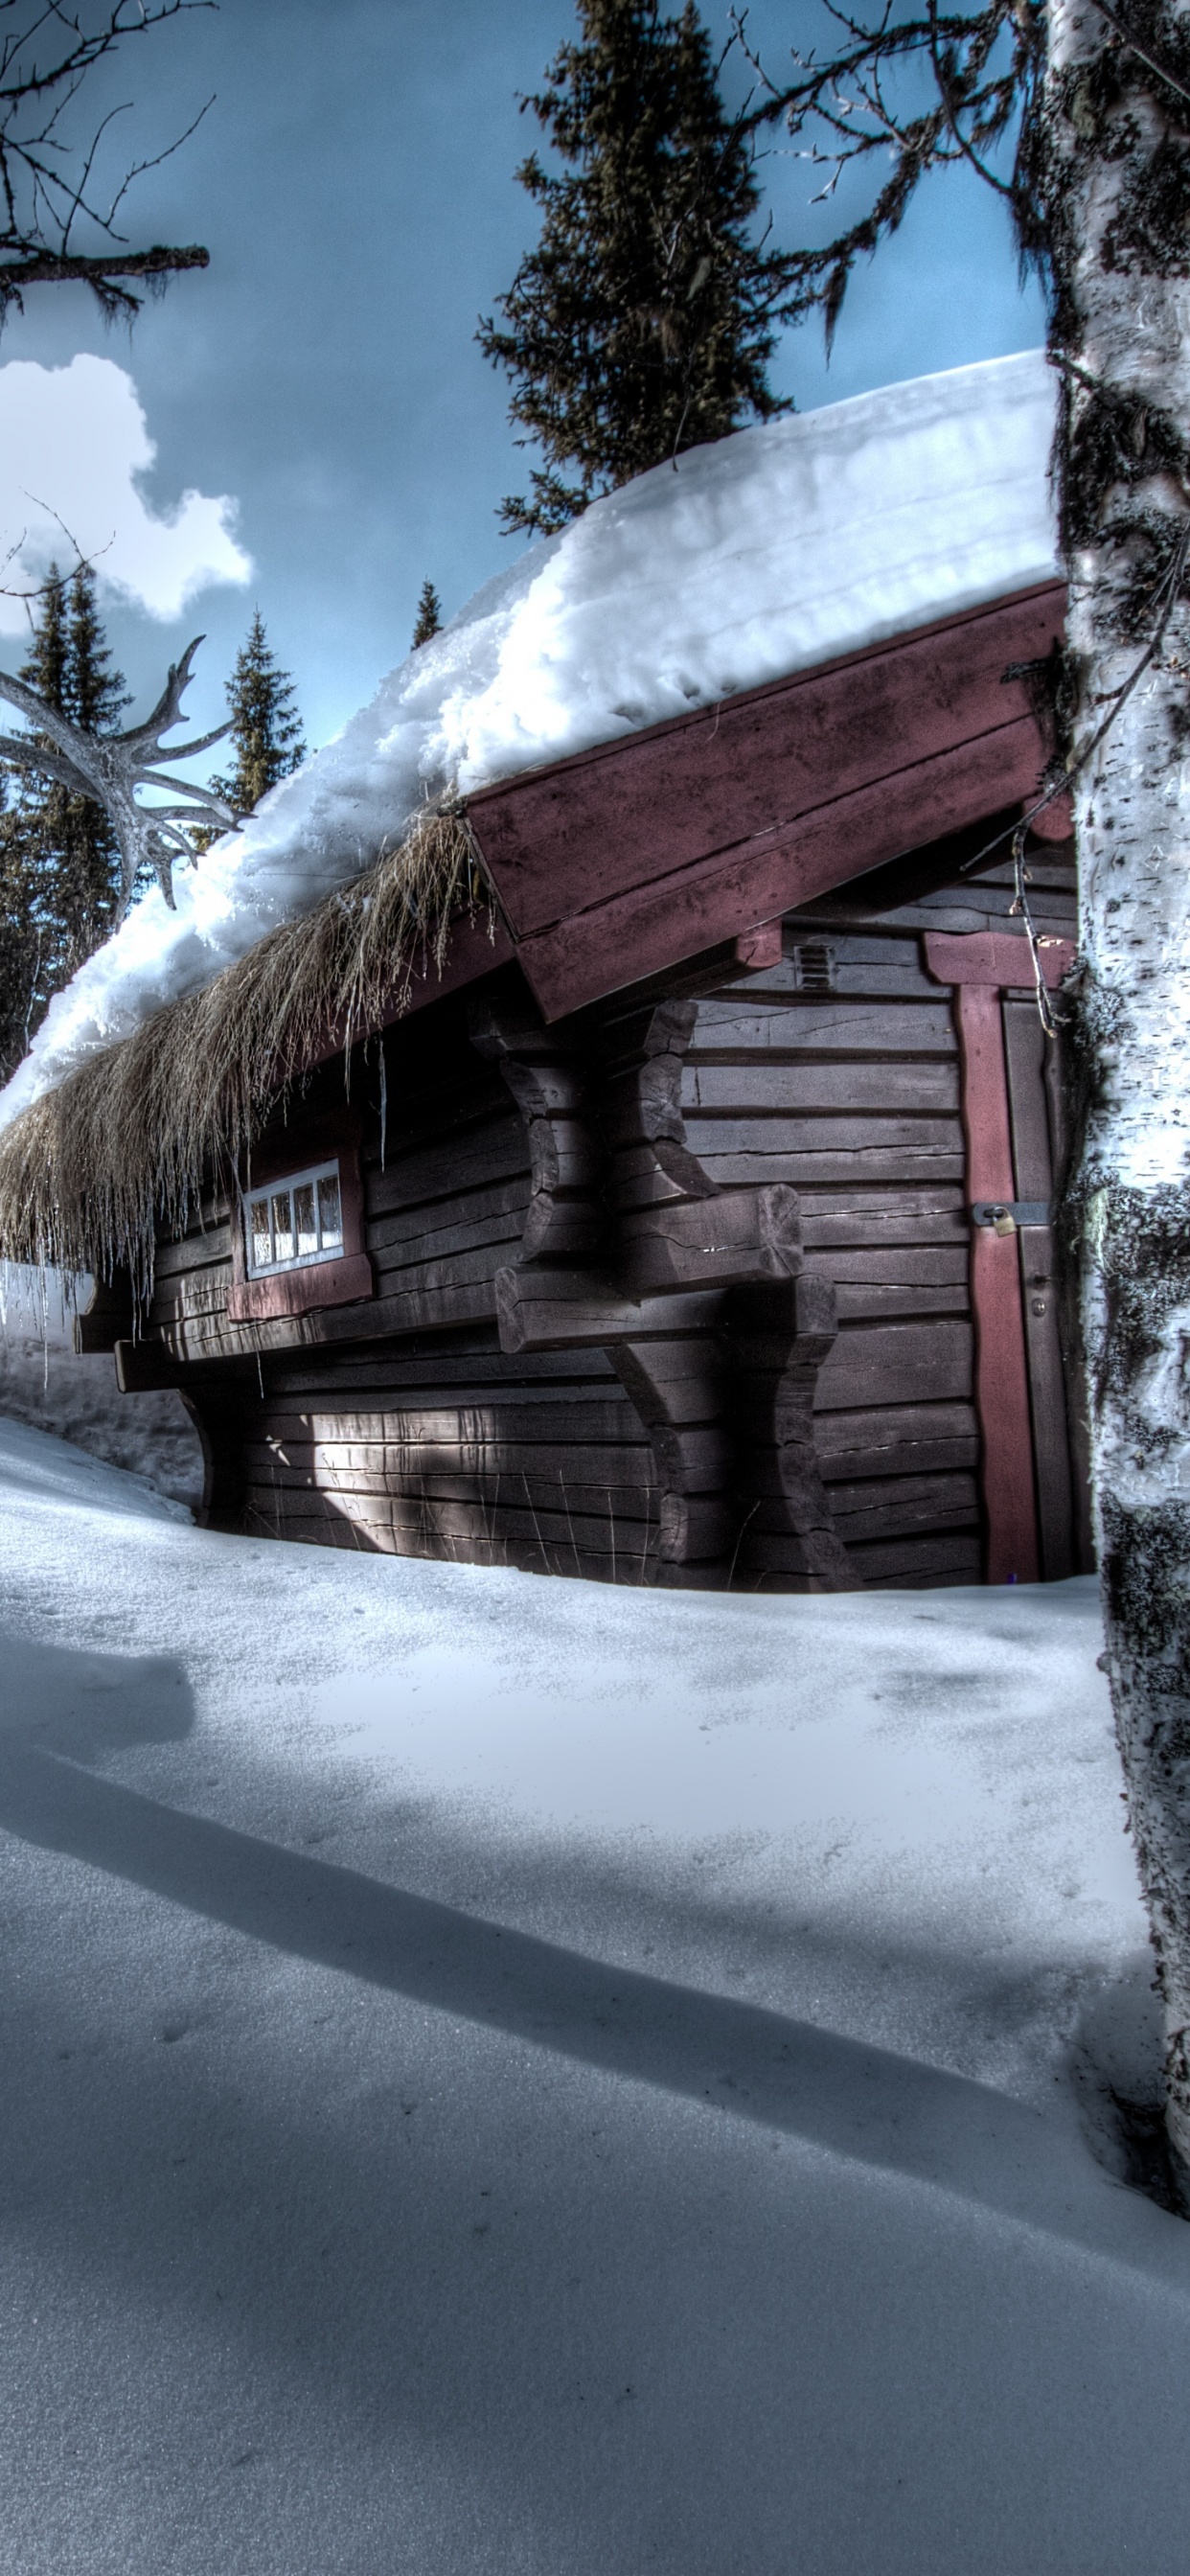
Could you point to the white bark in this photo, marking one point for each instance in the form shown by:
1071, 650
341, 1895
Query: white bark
1125, 326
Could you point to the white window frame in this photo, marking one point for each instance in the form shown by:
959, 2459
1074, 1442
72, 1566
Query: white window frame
270, 1190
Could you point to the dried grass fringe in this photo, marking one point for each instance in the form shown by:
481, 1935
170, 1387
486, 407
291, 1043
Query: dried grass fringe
90, 1172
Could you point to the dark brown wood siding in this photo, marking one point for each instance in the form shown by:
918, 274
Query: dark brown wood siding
402, 1425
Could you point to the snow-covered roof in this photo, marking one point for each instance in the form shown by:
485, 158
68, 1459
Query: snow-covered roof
770, 552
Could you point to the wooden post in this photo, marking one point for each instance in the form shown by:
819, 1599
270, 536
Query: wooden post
979, 966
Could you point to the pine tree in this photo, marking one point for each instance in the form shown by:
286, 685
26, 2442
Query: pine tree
23, 994
644, 321
429, 616
266, 727
59, 859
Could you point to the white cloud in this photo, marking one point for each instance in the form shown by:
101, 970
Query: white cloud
72, 442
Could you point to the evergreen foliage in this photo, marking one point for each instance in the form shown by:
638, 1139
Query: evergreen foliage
59, 857
429, 615
644, 321
266, 727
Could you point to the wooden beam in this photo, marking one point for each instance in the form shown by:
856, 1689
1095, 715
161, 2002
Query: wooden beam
979, 966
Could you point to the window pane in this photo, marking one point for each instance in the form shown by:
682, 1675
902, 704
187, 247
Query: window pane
304, 1220
261, 1239
282, 1227
329, 1210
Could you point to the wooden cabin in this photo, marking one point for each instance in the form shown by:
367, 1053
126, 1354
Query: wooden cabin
692, 1226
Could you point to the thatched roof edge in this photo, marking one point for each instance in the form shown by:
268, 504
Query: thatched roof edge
89, 1172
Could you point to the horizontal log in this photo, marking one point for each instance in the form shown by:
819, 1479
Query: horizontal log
631, 1499
869, 1222
462, 1521
493, 1151
397, 1277
913, 1456
770, 1132
455, 1224
919, 1560
878, 1425
195, 1252
868, 1304
793, 1025
747, 1163
893, 1265
317, 1454
953, 1505
880, 1364
909, 1084
580, 1425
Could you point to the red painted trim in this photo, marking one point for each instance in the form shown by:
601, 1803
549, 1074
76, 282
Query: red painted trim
590, 830
334, 1135
762, 947
999, 957
978, 965
297, 1292
656, 926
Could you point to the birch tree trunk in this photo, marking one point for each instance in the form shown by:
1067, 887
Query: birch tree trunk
1115, 140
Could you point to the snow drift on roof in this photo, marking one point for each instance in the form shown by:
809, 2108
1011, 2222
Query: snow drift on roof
767, 553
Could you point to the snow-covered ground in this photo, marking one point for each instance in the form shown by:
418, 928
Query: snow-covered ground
768, 552
505, 2078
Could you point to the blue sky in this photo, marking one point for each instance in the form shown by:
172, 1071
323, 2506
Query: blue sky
354, 184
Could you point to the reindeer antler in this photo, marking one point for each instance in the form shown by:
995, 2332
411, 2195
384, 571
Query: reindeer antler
109, 767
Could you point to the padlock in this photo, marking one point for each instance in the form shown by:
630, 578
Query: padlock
1003, 1222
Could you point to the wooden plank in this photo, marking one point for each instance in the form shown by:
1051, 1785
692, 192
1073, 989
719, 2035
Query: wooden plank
870, 1218
378, 1465
885, 1426
792, 1024
573, 1425
806, 1085
1001, 1381
813, 1171
461, 1521
877, 1300
913, 1454
493, 1151
647, 806
836, 1134
453, 1224
879, 1364
938, 1265
194, 1252
896, 1506
918, 1561
1025, 1049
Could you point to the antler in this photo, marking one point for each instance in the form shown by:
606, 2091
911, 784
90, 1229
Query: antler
109, 767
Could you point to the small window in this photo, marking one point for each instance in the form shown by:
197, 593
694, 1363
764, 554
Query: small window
294, 1222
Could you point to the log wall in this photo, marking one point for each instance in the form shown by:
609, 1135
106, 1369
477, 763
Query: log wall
404, 1425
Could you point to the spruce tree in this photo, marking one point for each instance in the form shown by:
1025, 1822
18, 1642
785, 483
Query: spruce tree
23, 994
59, 858
266, 727
429, 616
644, 321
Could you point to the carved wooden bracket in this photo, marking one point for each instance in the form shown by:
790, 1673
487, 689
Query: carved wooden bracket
630, 1247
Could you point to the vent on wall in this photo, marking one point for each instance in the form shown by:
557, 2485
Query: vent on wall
813, 966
